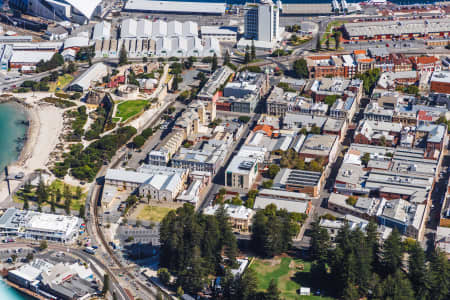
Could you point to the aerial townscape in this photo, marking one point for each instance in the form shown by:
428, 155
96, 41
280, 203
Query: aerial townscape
260, 150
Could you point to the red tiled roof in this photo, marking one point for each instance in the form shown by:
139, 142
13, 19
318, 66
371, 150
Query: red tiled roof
423, 60
360, 51
423, 116
266, 128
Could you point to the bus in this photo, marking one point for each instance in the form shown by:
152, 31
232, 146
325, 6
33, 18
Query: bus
89, 250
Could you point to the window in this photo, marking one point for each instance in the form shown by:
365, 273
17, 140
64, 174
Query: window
229, 178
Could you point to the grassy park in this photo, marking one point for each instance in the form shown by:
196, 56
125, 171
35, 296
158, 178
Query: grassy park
128, 109
153, 213
61, 83
57, 184
289, 273
329, 30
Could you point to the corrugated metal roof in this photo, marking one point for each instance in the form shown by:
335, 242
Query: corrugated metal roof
168, 6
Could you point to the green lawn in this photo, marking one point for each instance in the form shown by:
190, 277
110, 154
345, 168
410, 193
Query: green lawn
153, 213
330, 26
55, 185
61, 82
128, 109
288, 274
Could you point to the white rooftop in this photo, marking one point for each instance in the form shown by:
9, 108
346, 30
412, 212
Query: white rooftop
86, 7
173, 7
443, 77
289, 205
31, 56
234, 211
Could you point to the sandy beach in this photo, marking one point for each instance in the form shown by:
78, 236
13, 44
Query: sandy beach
46, 124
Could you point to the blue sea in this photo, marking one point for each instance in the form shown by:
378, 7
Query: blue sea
10, 131
303, 1
9, 293
307, 1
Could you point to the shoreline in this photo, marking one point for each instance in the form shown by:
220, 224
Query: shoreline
46, 125
22, 290
31, 136
32, 130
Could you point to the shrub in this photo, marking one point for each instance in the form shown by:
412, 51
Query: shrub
163, 276
62, 95
244, 119
75, 96
328, 216
267, 184
273, 171
351, 200
139, 141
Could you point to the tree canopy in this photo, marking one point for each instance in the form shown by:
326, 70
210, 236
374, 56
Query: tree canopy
356, 268
300, 68
192, 245
273, 231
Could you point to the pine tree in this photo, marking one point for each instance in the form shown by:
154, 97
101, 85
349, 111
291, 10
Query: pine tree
363, 261
418, 273
300, 68
337, 38
81, 212
67, 193
123, 56
398, 287
78, 193
175, 83
272, 291
350, 292
52, 205
71, 68
247, 286
320, 242
378, 293
226, 58
392, 253
42, 191
105, 284
67, 203
253, 51
247, 55
214, 63
372, 239
439, 272
26, 204
58, 195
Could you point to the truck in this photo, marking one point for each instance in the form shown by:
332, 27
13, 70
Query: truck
89, 250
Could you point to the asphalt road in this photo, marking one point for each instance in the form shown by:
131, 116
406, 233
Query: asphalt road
219, 179
94, 229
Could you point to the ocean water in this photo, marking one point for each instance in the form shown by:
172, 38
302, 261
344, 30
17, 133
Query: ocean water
303, 1
9, 293
307, 1
10, 131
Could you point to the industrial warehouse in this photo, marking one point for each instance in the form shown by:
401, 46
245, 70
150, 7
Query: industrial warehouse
403, 29
204, 8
